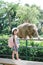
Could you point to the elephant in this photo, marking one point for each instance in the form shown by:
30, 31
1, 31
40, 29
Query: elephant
27, 29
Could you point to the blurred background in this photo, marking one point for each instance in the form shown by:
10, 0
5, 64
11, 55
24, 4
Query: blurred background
12, 14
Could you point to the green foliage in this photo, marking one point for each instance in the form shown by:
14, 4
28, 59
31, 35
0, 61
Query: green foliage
2, 37
11, 15
25, 14
7, 15
33, 52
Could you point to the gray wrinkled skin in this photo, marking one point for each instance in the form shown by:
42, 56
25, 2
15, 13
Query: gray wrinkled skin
27, 29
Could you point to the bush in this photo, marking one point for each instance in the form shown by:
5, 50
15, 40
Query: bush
34, 52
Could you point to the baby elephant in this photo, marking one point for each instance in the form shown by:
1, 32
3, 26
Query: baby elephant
27, 29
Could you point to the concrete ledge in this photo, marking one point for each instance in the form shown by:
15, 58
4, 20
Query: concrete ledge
18, 62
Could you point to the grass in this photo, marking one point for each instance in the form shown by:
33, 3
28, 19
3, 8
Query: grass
29, 43
23, 42
3, 36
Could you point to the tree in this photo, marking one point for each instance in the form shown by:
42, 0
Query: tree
27, 13
7, 14
11, 15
